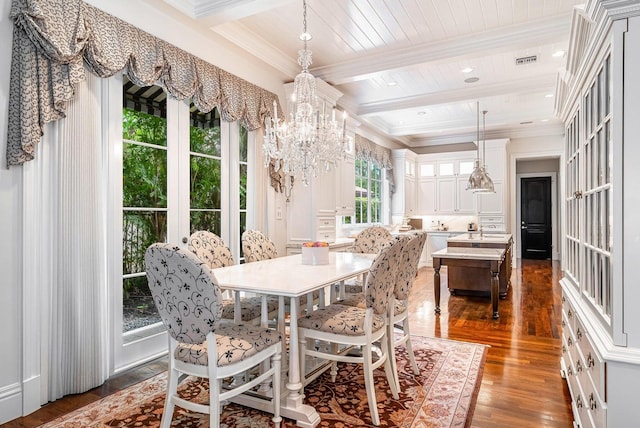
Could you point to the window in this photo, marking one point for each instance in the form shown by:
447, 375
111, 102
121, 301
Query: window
182, 170
243, 159
205, 166
368, 192
144, 197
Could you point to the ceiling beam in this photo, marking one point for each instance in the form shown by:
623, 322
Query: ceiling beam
513, 37
534, 83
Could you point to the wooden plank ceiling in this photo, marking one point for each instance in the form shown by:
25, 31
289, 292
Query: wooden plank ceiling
401, 63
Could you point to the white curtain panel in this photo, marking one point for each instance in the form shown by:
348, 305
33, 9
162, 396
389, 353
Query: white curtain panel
65, 253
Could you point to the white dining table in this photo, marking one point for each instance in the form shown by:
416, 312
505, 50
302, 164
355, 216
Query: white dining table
287, 277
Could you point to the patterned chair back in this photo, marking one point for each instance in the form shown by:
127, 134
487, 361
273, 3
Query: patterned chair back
256, 246
211, 249
185, 292
410, 257
382, 276
371, 240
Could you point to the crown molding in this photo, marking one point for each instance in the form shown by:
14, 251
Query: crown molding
512, 37
257, 46
216, 12
613, 9
550, 130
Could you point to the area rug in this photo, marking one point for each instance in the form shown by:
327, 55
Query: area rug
442, 395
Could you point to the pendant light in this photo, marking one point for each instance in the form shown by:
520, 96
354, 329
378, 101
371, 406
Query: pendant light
479, 180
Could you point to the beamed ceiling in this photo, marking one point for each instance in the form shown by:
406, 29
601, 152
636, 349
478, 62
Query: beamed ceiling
401, 63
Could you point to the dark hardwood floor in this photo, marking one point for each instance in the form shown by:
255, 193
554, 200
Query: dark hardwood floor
521, 385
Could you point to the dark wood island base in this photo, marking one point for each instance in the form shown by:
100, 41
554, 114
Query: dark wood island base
487, 261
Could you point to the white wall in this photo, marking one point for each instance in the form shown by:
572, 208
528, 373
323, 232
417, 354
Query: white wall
11, 248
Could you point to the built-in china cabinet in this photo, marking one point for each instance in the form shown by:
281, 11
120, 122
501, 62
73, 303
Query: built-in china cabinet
599, 102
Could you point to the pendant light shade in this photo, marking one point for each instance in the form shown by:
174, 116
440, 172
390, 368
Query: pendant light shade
479, 180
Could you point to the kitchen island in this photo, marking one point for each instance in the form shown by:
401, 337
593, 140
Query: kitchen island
473, 280
486, 261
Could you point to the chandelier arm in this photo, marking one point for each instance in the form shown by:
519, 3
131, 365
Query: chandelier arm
306, 143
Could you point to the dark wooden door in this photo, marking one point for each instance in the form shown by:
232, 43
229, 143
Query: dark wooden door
535, 214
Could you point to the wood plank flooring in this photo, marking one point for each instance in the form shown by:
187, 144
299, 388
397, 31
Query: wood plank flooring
521, 385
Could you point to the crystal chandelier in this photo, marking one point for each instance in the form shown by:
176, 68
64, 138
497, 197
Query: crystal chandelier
479, 180
311, 140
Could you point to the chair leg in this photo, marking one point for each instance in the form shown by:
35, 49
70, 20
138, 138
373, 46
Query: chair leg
387, 343
334, 364
214, 403
370, 385
407, 343
391, 352
172, 388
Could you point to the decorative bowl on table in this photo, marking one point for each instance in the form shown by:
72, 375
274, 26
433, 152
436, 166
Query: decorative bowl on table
315, 253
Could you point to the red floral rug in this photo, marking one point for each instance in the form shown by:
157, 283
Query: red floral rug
442, 395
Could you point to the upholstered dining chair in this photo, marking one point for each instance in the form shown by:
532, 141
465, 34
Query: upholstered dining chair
369, 241
342, 327
406, 273
188, 299
257, 246
212, 250
407, 269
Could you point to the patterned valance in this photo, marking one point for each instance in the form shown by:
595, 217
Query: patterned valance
53, 42
381, 156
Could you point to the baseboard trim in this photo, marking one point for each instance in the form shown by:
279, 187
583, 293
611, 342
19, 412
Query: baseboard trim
10, 402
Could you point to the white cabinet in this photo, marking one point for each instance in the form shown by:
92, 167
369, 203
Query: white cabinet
599, 106
426, 195
345, 187
410, 195
492, 207
446, 195
442, 183
435, 241
403, 200
311, 213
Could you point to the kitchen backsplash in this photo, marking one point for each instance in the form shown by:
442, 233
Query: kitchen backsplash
454, 223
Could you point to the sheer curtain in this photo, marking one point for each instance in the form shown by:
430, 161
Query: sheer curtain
65, 252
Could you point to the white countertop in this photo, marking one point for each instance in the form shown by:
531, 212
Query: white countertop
436, 231
498, 238
287, 276
466, 253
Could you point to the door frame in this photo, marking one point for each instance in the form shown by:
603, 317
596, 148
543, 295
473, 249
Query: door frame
555, 254
514, 198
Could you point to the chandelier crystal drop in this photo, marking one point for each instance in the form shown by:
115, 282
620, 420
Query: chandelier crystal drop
311, 140
479, 180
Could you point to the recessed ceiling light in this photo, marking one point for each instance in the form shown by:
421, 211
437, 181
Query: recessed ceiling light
544, 120
471, 80
558, 54
392, 83
421, 113
467, 70
549, 96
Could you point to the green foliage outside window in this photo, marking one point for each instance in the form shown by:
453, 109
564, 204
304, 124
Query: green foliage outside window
368, 192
